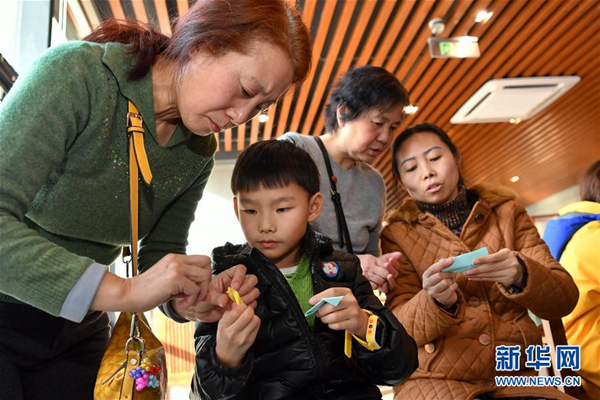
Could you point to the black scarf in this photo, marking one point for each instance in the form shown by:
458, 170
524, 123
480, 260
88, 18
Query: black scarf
454, 213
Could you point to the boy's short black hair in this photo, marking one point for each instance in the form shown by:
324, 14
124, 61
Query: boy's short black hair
274, 164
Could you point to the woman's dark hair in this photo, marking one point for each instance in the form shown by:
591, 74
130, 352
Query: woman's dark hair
423, 128
218, 27
362, 89
274, 164
590, 184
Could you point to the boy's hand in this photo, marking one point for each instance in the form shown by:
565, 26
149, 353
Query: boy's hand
236, 332
236, 278
440, 285
213, 309
347, 316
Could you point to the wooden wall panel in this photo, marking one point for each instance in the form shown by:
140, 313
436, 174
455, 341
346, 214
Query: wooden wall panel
318, 45
117, 9
307, 16
336, 45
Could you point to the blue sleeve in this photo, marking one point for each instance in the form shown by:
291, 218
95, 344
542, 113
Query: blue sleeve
79, 299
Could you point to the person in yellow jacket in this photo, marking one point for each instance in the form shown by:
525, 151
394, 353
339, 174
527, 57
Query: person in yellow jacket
574, 240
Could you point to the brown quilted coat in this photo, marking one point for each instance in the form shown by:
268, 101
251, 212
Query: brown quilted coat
457, 351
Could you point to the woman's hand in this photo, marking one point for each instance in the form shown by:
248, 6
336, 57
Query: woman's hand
213, 309
175, 275
347, 316
381, 271
393, 267
236, 332
441, 285
502, 267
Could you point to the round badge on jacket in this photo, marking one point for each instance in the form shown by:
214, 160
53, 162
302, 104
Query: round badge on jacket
331, 269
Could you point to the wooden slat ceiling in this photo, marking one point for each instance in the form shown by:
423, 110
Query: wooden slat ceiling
522, 39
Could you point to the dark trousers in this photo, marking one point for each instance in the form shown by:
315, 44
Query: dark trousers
45, 357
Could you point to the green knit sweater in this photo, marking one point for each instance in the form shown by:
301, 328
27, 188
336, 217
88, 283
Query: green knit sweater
64, 197
301, 283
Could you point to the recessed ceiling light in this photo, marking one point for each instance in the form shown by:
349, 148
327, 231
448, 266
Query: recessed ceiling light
410, 109
515, 179
483, 16
515, 120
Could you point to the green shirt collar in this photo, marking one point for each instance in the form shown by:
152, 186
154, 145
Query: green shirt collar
119, 62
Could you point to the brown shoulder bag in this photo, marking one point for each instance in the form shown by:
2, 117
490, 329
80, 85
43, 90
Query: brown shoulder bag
134, 364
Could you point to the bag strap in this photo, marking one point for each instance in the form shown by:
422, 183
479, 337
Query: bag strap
138, 161
343, 232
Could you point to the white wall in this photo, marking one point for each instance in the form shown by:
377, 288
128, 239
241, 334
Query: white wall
550, 205
215, 222
24, 29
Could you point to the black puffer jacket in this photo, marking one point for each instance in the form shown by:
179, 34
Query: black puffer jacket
288, 359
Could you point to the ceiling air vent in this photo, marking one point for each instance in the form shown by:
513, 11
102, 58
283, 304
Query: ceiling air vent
503, 100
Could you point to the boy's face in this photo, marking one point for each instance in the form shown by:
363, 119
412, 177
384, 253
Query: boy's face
274, 220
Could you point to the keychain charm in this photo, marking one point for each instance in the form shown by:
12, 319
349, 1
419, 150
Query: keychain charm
145, 375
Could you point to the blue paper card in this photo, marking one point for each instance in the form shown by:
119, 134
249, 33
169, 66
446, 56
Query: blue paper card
465, 261
334, 301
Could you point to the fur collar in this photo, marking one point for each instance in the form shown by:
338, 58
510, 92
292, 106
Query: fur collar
408, 212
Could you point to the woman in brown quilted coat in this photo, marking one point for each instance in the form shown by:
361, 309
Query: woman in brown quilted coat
458, 320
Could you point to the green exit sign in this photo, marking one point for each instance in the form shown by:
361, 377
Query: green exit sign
458, 47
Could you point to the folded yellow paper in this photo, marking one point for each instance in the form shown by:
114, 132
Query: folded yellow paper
234, 295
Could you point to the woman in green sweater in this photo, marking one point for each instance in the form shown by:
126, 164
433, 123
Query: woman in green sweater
64, 194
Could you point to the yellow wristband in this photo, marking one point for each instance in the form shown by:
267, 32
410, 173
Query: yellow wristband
348, 344
370, 343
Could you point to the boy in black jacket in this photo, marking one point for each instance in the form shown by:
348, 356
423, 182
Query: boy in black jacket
274, 351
